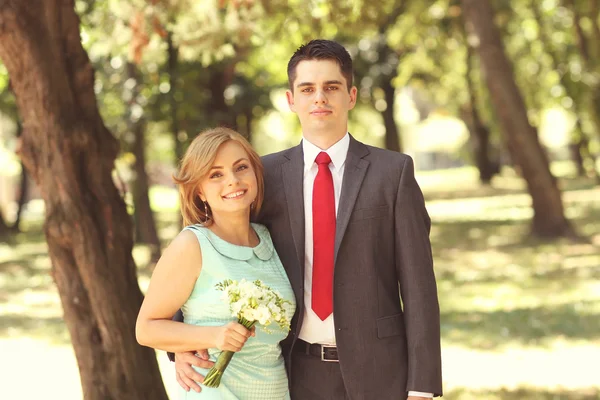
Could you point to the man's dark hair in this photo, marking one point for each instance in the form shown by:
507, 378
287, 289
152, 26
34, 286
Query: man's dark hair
320, 49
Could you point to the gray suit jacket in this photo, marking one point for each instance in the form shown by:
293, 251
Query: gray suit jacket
387, 319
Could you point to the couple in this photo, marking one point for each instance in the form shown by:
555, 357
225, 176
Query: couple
348, 223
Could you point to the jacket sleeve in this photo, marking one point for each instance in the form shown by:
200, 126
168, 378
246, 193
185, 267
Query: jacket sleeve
179, 318
418, 289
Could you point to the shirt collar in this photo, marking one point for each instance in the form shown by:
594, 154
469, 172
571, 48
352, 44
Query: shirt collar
337, 152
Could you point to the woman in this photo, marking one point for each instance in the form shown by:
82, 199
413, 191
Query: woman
220, 185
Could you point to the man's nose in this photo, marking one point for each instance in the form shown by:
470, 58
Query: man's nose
320, 97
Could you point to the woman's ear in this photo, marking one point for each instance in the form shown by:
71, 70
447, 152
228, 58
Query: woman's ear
202, 197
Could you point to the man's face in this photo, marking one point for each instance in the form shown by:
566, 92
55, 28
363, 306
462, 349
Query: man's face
321, 99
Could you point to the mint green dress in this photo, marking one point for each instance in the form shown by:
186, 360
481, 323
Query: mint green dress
257, 371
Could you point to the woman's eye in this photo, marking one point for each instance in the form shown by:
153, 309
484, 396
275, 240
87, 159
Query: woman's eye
242, 167
215, 175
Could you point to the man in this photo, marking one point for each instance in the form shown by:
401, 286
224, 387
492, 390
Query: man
350, 226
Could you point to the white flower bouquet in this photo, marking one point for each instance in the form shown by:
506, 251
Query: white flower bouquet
249, 302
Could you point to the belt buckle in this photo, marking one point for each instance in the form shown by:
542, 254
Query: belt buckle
323, 348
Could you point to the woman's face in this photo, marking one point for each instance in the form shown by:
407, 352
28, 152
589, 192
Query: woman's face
230, 186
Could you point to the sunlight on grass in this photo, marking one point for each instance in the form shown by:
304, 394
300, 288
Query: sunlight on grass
491, 373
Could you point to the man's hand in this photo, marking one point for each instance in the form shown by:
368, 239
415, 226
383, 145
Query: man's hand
187, 377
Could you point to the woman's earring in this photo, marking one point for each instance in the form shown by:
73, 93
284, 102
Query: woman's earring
206, 211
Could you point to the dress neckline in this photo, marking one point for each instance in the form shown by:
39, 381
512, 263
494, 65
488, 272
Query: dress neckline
263, 250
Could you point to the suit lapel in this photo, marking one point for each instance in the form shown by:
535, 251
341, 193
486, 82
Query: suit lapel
354, 173
293, 179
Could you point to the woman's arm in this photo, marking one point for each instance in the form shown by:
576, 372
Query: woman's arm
172, 282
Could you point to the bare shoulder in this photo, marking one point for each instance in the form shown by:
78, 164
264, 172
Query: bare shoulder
185, 238
184, 244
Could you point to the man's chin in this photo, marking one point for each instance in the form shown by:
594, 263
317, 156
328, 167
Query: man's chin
322, 126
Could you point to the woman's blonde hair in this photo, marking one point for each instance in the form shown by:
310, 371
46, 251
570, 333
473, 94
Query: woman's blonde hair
196, 163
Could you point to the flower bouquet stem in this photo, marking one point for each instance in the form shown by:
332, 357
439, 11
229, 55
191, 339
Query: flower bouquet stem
213, 378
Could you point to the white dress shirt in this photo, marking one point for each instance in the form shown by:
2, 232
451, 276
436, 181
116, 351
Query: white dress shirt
314, 330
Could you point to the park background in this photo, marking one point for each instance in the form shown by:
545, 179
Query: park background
497, 101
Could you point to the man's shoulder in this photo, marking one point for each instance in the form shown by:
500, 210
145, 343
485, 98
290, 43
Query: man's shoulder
276, 158
385, 156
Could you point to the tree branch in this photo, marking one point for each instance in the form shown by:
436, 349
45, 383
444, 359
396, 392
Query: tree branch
393, 17
581, 38
594, 13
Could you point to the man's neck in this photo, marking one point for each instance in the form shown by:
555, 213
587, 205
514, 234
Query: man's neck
324, 140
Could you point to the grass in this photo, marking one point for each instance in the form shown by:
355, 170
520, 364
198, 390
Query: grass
520, 316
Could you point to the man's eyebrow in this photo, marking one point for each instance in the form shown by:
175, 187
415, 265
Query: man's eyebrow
332, 82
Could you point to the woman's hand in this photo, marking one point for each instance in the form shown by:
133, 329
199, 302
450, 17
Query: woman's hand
232, 336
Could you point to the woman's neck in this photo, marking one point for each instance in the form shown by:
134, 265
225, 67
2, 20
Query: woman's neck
234, 230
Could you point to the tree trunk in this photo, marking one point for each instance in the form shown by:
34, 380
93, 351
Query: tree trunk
23, 187
387, 55
4, 229
392, 137
575, 149
480, 134
584, 152
172, 65
221, 78
145, 225
248, 120
173, 70
480, 137
70, 154
24, 181
549, 219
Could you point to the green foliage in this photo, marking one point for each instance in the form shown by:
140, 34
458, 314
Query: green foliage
8, 106
231, 58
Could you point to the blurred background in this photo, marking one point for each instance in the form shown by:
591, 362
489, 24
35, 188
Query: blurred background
500, 111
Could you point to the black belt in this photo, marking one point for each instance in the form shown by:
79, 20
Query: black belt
324, 352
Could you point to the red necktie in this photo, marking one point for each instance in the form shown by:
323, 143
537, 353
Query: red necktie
323, 238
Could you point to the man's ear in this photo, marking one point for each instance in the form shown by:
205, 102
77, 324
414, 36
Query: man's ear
353, 97
290, 99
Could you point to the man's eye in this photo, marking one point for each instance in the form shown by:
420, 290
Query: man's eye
332, 88
306, 90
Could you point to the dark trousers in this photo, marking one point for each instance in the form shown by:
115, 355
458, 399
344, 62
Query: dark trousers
313, 379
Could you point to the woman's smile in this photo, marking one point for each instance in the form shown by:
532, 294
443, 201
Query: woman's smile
235, 195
